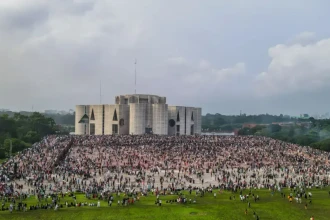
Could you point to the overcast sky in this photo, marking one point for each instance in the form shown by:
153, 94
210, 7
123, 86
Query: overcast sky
224, 56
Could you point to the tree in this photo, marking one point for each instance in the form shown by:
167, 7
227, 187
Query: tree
2, 153
244, 131
275, 128
322, 145
31, 137
17, 145
291, 132
23, 130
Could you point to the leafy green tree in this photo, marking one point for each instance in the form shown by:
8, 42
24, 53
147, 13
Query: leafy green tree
322, 145
2, 153
17, 145
291, 132
275, 128
31, 137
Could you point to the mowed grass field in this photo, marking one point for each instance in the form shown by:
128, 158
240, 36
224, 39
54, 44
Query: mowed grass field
268, 207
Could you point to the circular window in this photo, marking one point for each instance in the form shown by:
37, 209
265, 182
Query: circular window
171, 123
121, 122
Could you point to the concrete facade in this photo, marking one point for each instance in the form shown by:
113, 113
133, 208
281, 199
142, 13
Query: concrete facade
137, 114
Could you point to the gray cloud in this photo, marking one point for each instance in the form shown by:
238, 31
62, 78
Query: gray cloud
53, 54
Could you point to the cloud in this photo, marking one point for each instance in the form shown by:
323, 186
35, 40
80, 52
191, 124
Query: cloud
53, 54
296, 68
203, 72
177, 61
62, 49
303, 38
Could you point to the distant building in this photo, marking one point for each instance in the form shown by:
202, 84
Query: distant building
138, 114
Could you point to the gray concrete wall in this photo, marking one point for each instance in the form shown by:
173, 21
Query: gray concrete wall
124, 115
81, 110
137, 119
107, 119
110, 122
171, 115
189, 111
149, 116
160, 119
98, 118
198, 120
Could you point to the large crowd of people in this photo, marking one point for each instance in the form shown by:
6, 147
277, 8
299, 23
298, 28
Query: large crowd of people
103, 164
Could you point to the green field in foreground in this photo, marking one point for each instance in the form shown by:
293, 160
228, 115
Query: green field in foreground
207, 207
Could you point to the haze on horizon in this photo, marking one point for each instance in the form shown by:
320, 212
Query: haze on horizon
224, 56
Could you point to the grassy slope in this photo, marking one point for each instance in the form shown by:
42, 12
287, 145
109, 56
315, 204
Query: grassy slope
206, 208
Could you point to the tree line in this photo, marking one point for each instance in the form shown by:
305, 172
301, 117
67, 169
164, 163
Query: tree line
21, 131
311, 132
218, 122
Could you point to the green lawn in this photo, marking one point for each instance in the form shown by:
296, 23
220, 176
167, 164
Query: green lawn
207, 207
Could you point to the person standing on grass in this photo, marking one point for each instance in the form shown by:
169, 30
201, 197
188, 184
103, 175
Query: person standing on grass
11, 208
215, 195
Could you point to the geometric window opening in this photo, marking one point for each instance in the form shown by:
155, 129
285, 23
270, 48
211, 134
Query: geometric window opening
178, 117
92, 115
92, 129
171, 123
115, 118
121, 122
114, 129
192, 116
84, 119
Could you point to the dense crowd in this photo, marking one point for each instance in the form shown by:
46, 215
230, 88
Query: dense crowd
103, 164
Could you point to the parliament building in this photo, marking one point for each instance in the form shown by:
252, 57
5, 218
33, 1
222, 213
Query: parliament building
137, 114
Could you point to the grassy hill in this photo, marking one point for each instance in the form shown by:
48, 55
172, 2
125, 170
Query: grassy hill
269, 207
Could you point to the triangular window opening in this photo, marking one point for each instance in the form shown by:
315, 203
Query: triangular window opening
84, 119
92, 115
192, 116
178, 117
115, 118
